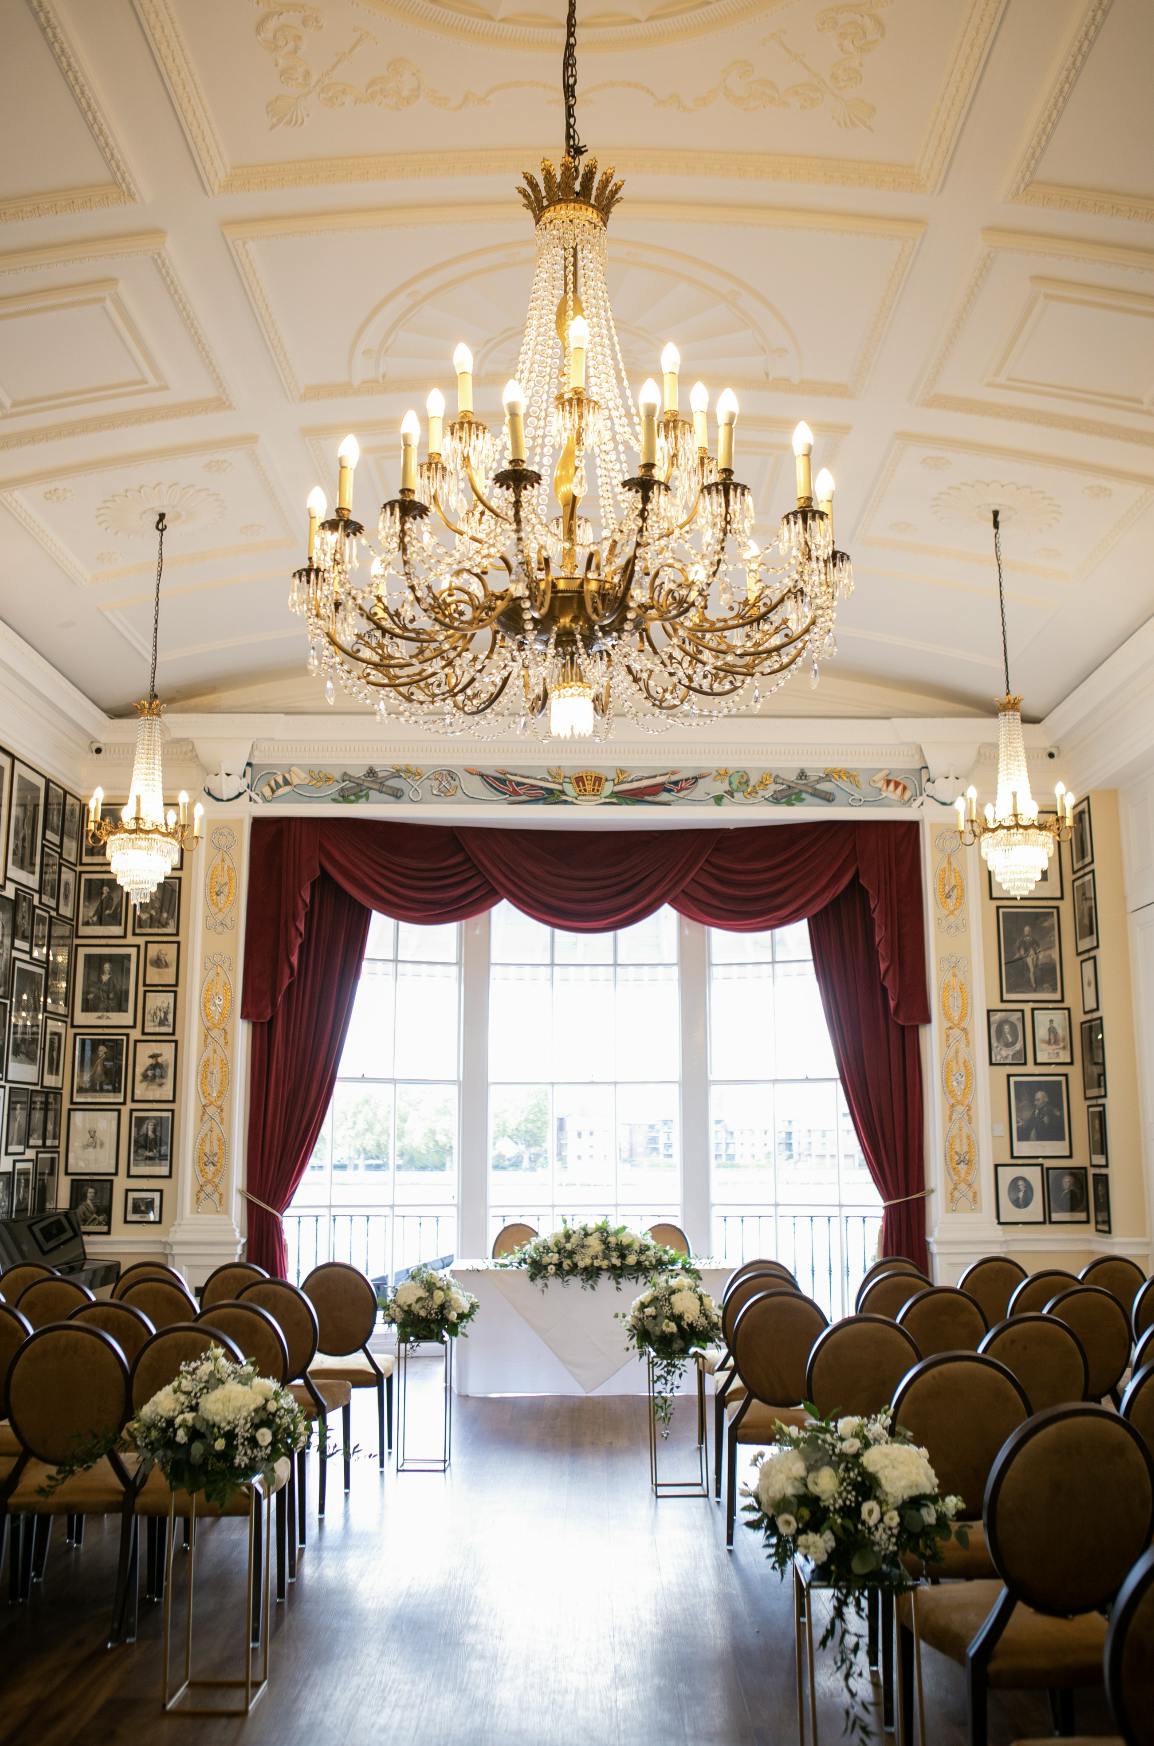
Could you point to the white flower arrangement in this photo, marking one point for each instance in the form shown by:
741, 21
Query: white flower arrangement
592, 1252
429, 1306
666, 1324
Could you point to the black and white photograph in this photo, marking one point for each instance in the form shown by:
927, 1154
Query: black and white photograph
53, 1071
1096, 1129
25, 909
1093, 1058
53, 813
1082, 841
159, 1012
93, 1142
150, 1142
1021, 1194
25, 827
153, 1071
1085, 913
1053, 1036
66, 898
70, 836
22, 1176
7, 939
40, 921
37, 1117
1007, 1028
160, 913
25, 1023
1029, 952
1101, 1190
50, 877
46, 1189
56, 986
1089, 969
92, 1204
142, 1206
52, 1124
102, 907
5, 1193
161, 963
1068, 1194
105, 991
1039, 1115
99, 1067
16, 1126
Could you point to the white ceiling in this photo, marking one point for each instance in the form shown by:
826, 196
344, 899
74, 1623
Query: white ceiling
230, 232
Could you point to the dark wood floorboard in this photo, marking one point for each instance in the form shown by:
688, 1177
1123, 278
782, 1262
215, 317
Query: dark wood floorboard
535, 1596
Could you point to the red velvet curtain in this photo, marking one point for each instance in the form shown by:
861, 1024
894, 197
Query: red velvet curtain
587, 881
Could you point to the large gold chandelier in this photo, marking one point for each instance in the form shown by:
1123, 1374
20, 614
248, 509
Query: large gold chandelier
542, 578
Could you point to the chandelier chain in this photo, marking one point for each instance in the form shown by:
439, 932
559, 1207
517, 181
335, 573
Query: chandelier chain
1001, 597
161, 525
573, 147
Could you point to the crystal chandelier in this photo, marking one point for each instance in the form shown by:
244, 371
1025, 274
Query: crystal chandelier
1017, 842
144, 843
543, 579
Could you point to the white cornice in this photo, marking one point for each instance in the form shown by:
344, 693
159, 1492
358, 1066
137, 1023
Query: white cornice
43, 717
1105, 728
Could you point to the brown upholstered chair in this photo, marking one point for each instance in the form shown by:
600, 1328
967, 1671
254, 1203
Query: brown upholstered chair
857, 1364
757, 1266
773, 1337
887, 1264
1062, 1543
993, 1281
52, 1300
14, 1330
225, 1284
166, 1302
1141, 1313
1116, 1274
1138, 1406
346, 1306
129, 1327
671, 1235
718, 1361
1037, 1289
1143, 1351
1046, 1356
943, 1319
139, 1270
1103, 1327
160, 1358
961, 1407
511, 1237
255, 1332
888, 1293
16, 1278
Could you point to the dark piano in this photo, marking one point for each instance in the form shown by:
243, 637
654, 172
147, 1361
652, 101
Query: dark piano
53, 1238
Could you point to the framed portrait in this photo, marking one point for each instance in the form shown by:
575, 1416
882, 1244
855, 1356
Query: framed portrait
5, 809
142, 1206
25, 826
70, 835
1096, 1129
159, 1012
37, 1117
1007, 1033
52, 1124
99, 1067
1029, 952
1053, 1036
66, 898
150, 1142
47, 1174
16, 1127
1085, 913
40, 920
53, 813
161, 963
1068, 1194
50, 877
1100, 1186
22, 928
1082, 841
59, 967
1021, 1194
105, 989
153, 1071
25, 1023
5, 1194
1089, 969
92, 1204
1093, 1058
160, 913
1049, 886
53, 1073
93, 1142
101, 907
1039, 1115
7, 940
22, 1177
4, 1006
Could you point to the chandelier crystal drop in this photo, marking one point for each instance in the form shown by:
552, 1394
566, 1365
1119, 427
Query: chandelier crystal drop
1016, 840
589, 560
144, 842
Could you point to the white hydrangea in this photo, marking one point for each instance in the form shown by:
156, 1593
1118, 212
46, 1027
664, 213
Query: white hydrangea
687, 1305
230, 1402
781, 1475
816, 1546
901, 1470
823, 1483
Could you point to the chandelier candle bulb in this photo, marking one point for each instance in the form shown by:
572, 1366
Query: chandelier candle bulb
348, 455
435, 407
463, 364
513, 401
197, 821
94, 807
726, 419
802, 449
670, 365
317, 504
972, 800
960, 803
578, 349
410, 436
699, 403
648, 402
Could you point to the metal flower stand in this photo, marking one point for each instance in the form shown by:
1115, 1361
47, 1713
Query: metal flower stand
692, 1485
435, 1462
255, 1681
879, 1598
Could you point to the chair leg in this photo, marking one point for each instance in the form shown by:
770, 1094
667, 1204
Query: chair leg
41, 1539
347, 1438
730, 1491
718, 1434
887, 1647
323, 1458
388, 1415
976, 1705
872, 1629
302, 1497
261, 1552
15, 1552
281, 1508
906, 1685
292, 1509
1062, 1711
124, 1607
27, 1543
78, 1533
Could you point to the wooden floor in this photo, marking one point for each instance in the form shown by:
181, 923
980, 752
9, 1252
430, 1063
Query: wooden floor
536, 1595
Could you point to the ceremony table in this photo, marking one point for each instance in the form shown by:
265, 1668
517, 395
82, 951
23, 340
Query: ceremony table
554, 1338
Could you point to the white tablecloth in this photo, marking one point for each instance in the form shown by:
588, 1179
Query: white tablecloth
550, 1339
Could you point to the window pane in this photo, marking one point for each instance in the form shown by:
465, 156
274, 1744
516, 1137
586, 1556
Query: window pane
741, 1132
802, 1036
518, 1139
426, 1142
648, 1149
520, 1022
729, 948
428, 1021
652, 941
806, 1122
362, 1129
741, 1027
647, 1019
792, 942
382, 942
423, 944
515, 938
584, 1145
583, 1022
368, 1050
582, 948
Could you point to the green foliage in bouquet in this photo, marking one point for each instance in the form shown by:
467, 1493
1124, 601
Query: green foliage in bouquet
592, 1252
666, 1324
429, 1306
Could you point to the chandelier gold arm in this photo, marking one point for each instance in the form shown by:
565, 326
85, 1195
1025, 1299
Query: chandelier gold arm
491, 508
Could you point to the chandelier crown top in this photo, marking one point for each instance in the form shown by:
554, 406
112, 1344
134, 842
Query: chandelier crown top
569, 184
1010, 704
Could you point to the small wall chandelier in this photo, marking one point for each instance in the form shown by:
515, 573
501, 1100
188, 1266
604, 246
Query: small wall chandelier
568, 584
1016, 841
144, 842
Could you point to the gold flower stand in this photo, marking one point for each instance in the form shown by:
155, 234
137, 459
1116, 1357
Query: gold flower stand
183, 1698
691, 1485
805, 1586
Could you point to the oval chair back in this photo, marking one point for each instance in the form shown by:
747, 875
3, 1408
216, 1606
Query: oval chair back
671, 1235
993, 1281
226, 1283
753, 1285
164, 1301
856, 1365
748, 1268
19, 1277
773, 1336
1103, 1327
1046, 1356
887, 1264
961, 1407
888, 1293
1143, 1351
1116, 1274
128, 1326
346, 1306
52, 1300
294, 1315
255, 1332
943, 1319
511, 1237
1138, 1404
1130, 1653
1064, 1454
145, 1270
160, 1358
14, 1330
67, 1385
1141, 1314
1037, 1289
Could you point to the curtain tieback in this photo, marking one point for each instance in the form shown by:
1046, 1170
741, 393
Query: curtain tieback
900, 1201
263, 1204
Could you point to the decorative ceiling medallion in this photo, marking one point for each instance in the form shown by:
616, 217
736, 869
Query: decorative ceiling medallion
133, 512
521, 24
973, 501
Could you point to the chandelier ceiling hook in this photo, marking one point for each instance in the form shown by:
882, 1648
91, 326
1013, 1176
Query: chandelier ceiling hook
573, 147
